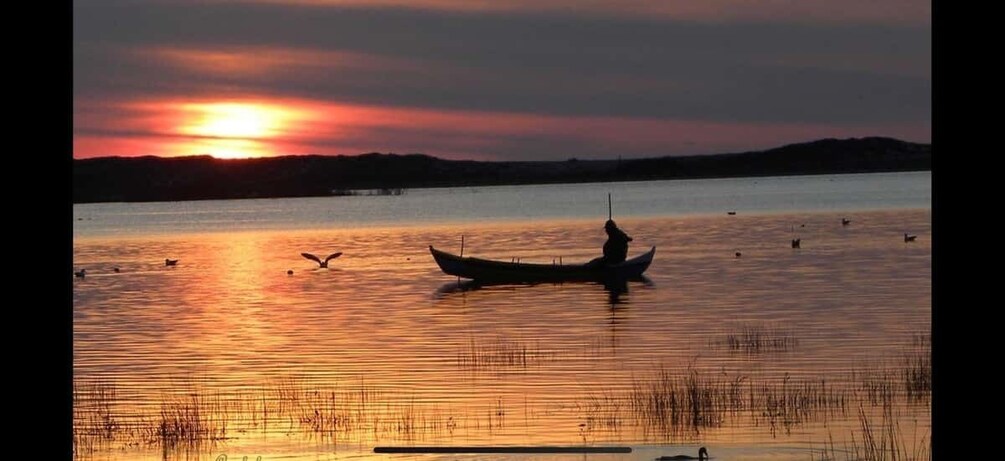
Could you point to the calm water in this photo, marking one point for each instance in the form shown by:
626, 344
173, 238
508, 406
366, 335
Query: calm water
791, 348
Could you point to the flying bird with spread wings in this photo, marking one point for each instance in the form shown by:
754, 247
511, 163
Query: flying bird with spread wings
324, 264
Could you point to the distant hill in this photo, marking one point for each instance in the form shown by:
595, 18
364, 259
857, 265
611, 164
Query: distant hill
137, 179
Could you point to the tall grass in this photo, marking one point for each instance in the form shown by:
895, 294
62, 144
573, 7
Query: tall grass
192, 420
916, 369
501, 352
909, 376
668, 403
94, 420
881, 441
756, 338
684, 403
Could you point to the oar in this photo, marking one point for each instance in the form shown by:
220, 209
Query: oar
462, 255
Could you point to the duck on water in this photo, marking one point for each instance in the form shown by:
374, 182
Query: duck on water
702, 456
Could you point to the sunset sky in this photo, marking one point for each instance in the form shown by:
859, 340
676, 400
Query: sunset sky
495, 80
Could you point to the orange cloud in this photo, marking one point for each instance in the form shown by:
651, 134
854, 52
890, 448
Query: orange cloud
263, 61
256, 128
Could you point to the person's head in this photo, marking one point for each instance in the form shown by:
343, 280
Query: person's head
609, 225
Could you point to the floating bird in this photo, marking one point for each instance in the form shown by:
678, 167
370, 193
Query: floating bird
324, 264
289, 272
80, 274
731, 213
170, 262
115, 269
737, 254
702, 456
845, 221
910, 238
795, 243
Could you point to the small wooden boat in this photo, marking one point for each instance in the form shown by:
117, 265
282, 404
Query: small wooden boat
486, 270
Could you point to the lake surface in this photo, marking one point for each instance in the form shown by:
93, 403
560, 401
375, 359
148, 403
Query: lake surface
780, 353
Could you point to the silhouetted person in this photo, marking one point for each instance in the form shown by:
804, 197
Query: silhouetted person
616, 247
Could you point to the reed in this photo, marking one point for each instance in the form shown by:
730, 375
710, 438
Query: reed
909, 376
192, 420
880, 441
502, 352
94, 419
683, 403
668, 403
755, 338
916, 369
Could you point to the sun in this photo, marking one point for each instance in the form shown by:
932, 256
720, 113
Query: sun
232, 129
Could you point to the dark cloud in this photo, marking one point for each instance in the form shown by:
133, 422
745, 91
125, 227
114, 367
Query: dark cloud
541, 63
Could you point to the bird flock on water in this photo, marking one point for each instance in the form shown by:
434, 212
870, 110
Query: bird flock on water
796, 242
168, 262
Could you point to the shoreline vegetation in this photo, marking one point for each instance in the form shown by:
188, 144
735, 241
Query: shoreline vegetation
151, 179
871, 407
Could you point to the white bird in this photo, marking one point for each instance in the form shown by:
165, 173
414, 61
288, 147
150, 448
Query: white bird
324, 264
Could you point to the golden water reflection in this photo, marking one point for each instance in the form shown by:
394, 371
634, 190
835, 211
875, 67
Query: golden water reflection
382, 348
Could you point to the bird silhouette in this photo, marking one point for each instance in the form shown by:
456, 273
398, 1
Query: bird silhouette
115, 269
170, 262
738, 254
80, 274
324, 264
702, 456
845, 221
910, 238
731, 213
795, 242
289, 272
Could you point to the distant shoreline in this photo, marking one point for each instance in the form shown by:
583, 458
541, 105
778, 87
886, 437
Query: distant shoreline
155, 179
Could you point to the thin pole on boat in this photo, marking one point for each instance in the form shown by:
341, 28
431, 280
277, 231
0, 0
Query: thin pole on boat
609, 213
462, 244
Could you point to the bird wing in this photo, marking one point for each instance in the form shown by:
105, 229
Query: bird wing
333, 256
311, 257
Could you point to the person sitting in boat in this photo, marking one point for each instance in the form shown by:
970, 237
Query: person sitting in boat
616, 247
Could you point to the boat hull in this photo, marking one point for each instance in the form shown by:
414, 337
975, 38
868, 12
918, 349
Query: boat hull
485, 270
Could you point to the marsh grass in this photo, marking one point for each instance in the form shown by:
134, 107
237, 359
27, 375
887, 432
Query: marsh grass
602, 412
678, 402
94, 419
668, 403
795, 402
916, 369
192, 420
355, 412
881, 440
909, 376
502, 352
756, 338
683, 403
